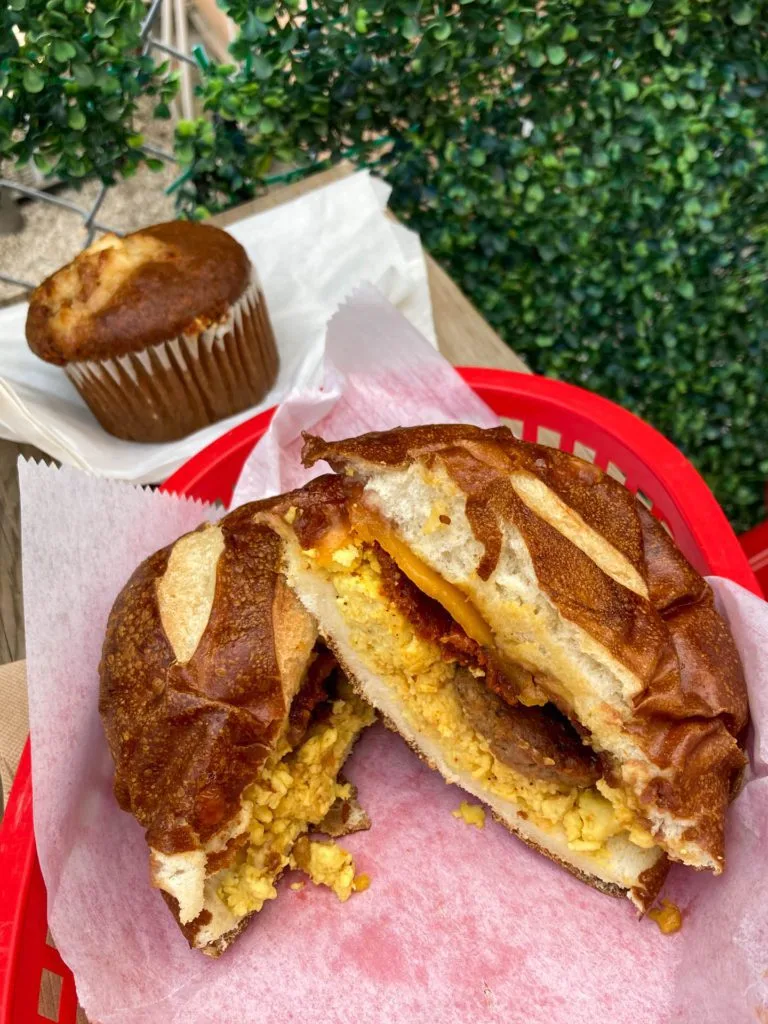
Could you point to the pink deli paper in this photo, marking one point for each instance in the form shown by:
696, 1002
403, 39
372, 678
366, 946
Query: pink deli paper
459, 925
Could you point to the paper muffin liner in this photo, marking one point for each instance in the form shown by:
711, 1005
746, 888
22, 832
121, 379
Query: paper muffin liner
171, 389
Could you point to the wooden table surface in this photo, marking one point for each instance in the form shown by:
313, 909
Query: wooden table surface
463, 336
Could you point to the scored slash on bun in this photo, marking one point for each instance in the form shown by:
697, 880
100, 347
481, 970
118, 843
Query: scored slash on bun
584, 588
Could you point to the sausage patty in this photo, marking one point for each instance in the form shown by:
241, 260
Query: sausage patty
538, 742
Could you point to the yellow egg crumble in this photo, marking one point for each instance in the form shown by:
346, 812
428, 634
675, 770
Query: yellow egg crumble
473, 814
413, 666
668, 917
326, 864
293, 792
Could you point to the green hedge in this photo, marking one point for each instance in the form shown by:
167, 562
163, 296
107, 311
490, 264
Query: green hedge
71, 75
594, 175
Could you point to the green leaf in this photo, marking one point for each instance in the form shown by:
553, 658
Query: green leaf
410, 28
361, 20
185, 153
154, 164
639, 8
556, 54
261, 67
76, 119
254, 28
162, 111
251, 106
535, 57
570, 32
442, 31
103, 24
742, 14
42, 163
686, 289
661, 43
63, 51
690, 152
83, 75
535, 194
513, 33
629, 90
477, 158
33, 81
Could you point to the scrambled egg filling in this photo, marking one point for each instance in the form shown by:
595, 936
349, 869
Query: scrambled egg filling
472, 814
668, 917
293, 792
585, 819
326, 864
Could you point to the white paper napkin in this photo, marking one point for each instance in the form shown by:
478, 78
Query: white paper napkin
310, 253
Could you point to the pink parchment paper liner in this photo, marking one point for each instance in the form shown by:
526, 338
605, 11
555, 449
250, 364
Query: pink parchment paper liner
459, 925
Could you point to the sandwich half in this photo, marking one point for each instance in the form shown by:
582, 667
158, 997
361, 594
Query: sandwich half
228, 721
535, 634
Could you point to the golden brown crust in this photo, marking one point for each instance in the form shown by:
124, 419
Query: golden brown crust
186, 739
692, 709
148, 287
711, 677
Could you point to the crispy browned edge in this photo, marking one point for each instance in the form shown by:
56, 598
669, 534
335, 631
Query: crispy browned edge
187, 739
692, 712
203, 271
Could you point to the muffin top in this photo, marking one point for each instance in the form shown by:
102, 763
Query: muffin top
122, 294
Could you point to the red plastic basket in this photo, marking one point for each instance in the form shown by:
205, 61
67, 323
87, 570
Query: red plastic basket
538, 409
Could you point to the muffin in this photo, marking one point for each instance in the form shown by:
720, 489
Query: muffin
162, 332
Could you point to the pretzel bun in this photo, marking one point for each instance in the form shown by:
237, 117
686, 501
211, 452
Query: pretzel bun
561, 572
205, 652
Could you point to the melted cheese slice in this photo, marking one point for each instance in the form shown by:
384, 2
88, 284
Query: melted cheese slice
370, 527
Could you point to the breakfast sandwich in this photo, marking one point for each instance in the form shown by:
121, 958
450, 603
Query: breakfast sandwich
229, 721
534, 633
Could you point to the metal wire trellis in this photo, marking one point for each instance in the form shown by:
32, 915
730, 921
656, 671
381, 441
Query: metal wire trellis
91, 224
